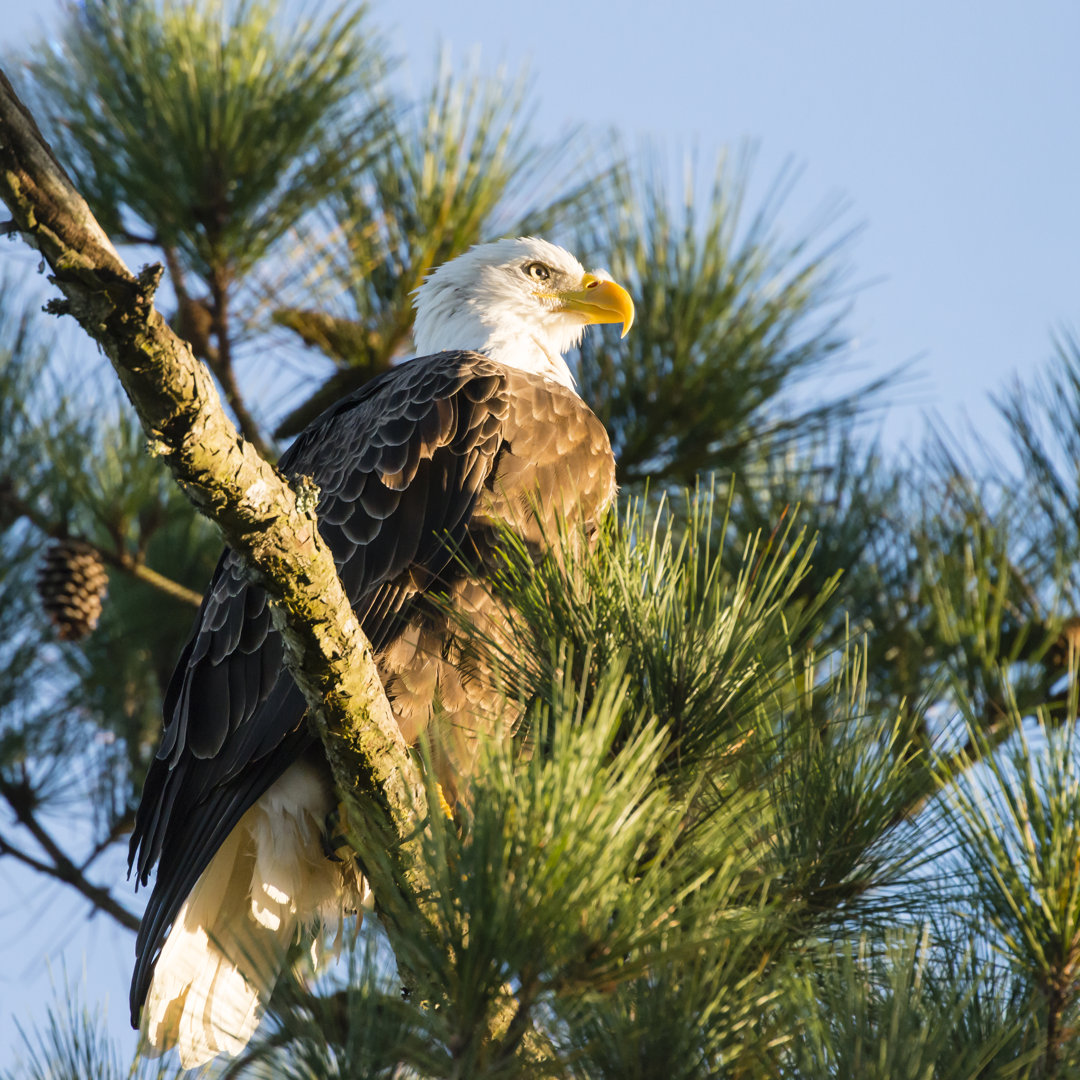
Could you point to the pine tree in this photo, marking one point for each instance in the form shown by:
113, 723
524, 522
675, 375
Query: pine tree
795, 793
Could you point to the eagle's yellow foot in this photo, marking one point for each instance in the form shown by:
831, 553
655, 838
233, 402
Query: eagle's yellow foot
443, 804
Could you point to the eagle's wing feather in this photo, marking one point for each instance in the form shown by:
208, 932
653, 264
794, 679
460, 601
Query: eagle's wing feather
400, 466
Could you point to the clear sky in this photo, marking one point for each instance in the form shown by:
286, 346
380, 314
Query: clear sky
948, 126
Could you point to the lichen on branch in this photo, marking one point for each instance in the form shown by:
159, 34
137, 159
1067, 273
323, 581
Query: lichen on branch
225, 478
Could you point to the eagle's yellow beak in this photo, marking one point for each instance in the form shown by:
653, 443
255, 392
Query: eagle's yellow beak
600, 301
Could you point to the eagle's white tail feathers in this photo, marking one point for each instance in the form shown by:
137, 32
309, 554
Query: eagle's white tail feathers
229, 942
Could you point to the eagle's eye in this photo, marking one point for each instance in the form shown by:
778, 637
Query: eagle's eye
538, 271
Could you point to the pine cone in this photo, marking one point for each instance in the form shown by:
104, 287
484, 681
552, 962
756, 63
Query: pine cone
1067, 647
72, 583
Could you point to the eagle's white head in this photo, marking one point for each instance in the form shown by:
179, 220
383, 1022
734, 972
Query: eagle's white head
522, 302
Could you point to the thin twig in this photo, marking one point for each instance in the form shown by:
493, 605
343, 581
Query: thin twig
138, 569
100, 898
62, 867
120, 826
125, 236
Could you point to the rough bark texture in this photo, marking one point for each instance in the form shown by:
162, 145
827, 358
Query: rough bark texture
259, 514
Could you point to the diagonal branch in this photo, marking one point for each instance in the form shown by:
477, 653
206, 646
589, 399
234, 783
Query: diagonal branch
261, 517
61, 866
100, 898
221, 363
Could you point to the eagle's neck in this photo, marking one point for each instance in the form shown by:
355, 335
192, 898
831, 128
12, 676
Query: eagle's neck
528, 352
533, 344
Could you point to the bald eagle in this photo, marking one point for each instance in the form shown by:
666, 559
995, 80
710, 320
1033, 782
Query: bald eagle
426, 461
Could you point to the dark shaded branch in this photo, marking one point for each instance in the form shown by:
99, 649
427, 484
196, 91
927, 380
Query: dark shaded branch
194, 321
62, 868
343, 381
518, 1023
197, 319
1057, 1000
222, 366
261, 517
336, 386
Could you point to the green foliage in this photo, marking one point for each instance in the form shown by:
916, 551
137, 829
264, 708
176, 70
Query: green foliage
1017, 819
899, 1013
850, 498
840, 785
701, 852
730, 318
680, 1020
558, 835
72, 1045
227, 126
1044, 420
977, 602
697, 636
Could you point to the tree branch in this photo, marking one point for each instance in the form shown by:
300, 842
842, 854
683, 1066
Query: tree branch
221, 364
369, 356
100, 898
261, 517
138, 569
119, 827
62, 868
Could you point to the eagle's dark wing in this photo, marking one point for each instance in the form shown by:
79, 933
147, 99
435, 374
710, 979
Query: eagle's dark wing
400, 465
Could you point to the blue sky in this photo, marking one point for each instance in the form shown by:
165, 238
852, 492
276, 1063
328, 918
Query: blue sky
949, 127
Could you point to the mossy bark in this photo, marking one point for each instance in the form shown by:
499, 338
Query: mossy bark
272, 526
